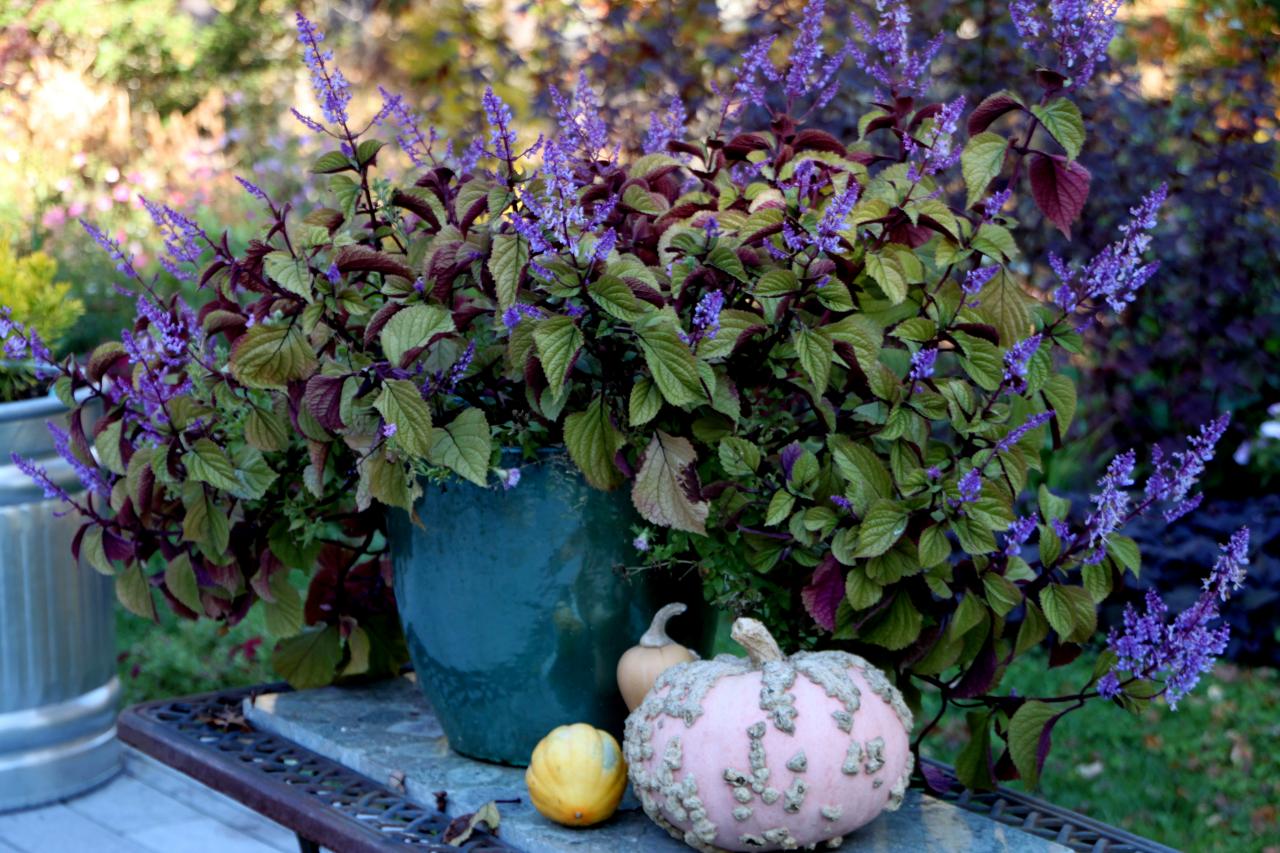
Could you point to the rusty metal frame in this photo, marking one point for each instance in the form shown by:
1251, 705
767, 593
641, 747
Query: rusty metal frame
327, 804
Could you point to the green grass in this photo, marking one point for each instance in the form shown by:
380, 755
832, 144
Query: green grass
178, 657
1204, 777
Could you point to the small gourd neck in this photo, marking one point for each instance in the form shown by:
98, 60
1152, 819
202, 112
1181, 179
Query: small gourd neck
753, 636
656, 637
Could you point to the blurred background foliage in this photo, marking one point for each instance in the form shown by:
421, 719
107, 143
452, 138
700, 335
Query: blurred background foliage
101, 100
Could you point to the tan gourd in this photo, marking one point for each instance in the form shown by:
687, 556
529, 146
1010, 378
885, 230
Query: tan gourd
576, 775
640, 666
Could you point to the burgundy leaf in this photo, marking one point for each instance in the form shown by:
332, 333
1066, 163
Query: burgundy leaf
743, 144
991, 109
818, 140
824, 593
416, 205
981, 674
936, 778
364, 259
1060, 189
323, 399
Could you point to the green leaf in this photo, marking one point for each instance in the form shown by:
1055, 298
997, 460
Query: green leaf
283, 616
780, 506
206, 462
973, 763
1070, 611
107, 444
134, 592
289, 272
970, 613
1097, 580
180, 580
330, 162
253, 475
981, 361
558, 340
367, 150
205, 522
401, 403
507, 260
1002, 594
592, 441
412, 329
883, 525
739, 457
776, 282
615, 297
92, 550
1051, 506
933, 546
888, 273
1029, 733
646, 401
898, 627
865, 473
1003, 304
981, 162
1062, 119
309, 659
861, 591
1032, 631
815, 351
1126, 552
725, 259
272, 357
1060, 392
266, 430
996, 242
463, 446
661, 493
671, 364
639, 199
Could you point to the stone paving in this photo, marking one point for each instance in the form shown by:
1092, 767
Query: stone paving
149, 808
388, 732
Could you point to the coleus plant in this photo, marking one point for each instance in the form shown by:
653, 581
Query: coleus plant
815, 363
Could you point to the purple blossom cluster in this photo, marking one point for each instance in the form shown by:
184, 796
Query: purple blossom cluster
805, 74
937, 152
1018, 534
1111, 504
1118, 272
889, 58
1016, 361
1173, 478
513, 315
161, 347
111, 247
706, 318
181, 237
977, 279
970, 487
922, 364
554, 216
665, 127
21, 343
1080, 30
332, 91
418, 147
826, 236
1016, 434
580, 120
1150, 646
254, 190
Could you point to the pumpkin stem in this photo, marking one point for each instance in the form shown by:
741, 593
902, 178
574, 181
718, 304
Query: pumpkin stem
753, 636
656, 637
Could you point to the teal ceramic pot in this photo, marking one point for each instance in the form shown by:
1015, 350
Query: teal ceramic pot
516, 610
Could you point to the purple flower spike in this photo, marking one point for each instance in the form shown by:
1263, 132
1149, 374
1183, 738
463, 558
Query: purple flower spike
665, 128
1016, 361
1080, 30
922, 364
1150, 647
1019, 532
1110, 504
332, 91
1174, 477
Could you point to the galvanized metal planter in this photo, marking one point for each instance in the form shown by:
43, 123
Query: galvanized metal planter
515, 610
58, 690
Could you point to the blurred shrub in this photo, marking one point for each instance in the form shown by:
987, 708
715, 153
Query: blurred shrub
38, 302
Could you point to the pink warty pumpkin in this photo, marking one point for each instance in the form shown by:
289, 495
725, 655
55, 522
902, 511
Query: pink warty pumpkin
769, 752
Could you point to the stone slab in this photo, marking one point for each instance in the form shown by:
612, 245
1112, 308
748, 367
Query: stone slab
388, 732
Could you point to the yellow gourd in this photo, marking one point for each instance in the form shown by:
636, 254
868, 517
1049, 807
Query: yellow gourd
576, 776
640, 666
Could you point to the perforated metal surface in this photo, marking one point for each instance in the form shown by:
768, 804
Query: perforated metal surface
331, 805
322, 801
